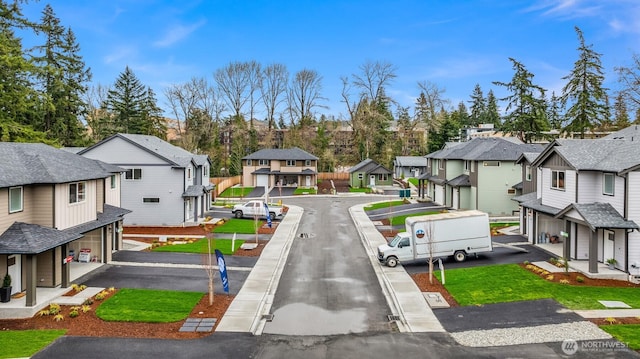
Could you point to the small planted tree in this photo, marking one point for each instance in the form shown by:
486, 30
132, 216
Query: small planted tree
430, 235
208, 266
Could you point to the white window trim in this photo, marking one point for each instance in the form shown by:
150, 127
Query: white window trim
263, 162
555, 173
307, 163
78, 193
21, 199
527, 173
249, 162
291, 163
112, 180
133, 174
604, 184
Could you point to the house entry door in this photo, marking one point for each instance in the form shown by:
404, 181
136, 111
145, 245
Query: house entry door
372, 180
607, 248
14, 265
307, 181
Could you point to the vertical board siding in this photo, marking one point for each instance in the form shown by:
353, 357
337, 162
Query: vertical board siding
73, 214
633, 214
112, 195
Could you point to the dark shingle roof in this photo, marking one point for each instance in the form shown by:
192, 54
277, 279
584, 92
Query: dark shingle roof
109, 214
37, 163
536, 205
488, 149
460, 181
361, 165
194, 191
411, 161
600, 215
280, 154
631, 133
25, 238
599, 154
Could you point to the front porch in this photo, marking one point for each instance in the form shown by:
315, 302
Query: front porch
582, 266
17, 307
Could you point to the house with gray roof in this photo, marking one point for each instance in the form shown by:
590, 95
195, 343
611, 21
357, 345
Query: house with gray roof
587, 198
479, 174
55, 205
409, 166
280, 167
369, 173
163, 184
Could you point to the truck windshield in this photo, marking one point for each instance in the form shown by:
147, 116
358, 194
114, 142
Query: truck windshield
395, 240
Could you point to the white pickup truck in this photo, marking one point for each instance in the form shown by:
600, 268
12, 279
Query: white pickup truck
256, 208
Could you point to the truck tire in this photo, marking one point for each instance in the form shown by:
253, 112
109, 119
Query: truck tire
392, 262
272, 215
238, 214
459, 256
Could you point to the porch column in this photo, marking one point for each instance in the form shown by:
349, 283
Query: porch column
31, 268
66, 270
195, 209
566, 243
593, 252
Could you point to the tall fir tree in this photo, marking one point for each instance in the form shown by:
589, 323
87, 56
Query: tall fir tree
526, 106
620, 112
554, 112
584, 91
478, 107
152, 116
493, 113
126, 102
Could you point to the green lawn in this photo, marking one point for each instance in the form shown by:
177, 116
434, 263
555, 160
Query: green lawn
503, 224
237, 225
625, 333
413, 181
299, 191
396, 221
509, 283
380, 205
25, 343
360, 190
148, 306
236, 192
201, 246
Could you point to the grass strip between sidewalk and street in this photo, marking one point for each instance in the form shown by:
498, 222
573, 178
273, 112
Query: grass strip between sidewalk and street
510, 283
399, 220
628, 334
381, 205
25, 343
148, 306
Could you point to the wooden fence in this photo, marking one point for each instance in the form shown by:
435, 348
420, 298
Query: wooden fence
223, 183
333, 176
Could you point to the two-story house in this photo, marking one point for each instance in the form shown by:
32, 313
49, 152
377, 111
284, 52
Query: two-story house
479, 174
163, 184
588, 197
269, 168
54, 203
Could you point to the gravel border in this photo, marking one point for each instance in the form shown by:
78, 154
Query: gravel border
530, 335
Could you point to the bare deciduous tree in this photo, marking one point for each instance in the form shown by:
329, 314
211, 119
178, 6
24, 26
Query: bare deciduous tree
254, 73
303, 96
273, 87
374, 78
234, 83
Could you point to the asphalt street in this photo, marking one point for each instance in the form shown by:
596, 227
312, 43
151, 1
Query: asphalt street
327, 273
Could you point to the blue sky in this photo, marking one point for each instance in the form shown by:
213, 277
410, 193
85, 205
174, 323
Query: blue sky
454, 44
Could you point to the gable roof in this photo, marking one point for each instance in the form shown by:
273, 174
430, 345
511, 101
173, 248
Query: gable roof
411, 161
177, 156
370, 166
293, 153
37, 163
26, 238
595, 154
487, 149
631, 133
599, 215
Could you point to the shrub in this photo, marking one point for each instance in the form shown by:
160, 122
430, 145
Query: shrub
58, 317
100, 296
74, 313
43, 313
553, 260
579, 279
54, 309
550, 277
88, 301
111, 289
564, 281
86, 308
530, 266
611, 320
526, 263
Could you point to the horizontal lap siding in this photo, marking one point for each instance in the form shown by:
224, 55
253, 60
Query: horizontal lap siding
633, 203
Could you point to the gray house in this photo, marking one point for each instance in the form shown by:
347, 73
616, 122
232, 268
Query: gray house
54, 203
369, 173
409, 166
162, 184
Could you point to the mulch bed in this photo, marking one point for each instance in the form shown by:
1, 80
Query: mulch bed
88, 324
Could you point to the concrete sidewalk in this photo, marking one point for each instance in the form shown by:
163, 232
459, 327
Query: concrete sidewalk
403, 295
609, 313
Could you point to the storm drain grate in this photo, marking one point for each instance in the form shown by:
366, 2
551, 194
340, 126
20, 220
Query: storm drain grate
306, 235
268, 317
393, 318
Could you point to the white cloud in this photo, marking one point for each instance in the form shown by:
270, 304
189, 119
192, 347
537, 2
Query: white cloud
177, 33
119, 54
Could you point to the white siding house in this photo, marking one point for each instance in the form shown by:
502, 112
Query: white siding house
162, 184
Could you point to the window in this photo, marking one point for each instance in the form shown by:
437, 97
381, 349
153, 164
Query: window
113, 181
133, 174
441, 164
189, 173
360, 176
467, 165
382, 177
608, 184
248, 162
291, 163
491, 163
205, 171
428, 162
307, 163
151, 200
511, 191
557, 180
15, 199
263, 163
77, 192
527, 173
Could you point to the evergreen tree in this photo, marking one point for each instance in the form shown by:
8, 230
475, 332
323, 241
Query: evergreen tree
553, 112
478, 107
526, 105
448, 131
463, 115
126, 101
589, 104
492, 115
152, 116
621, 115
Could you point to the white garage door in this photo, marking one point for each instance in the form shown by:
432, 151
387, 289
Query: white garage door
262, 181
438, 196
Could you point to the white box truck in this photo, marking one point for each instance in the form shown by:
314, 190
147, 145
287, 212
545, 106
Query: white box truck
456, 234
